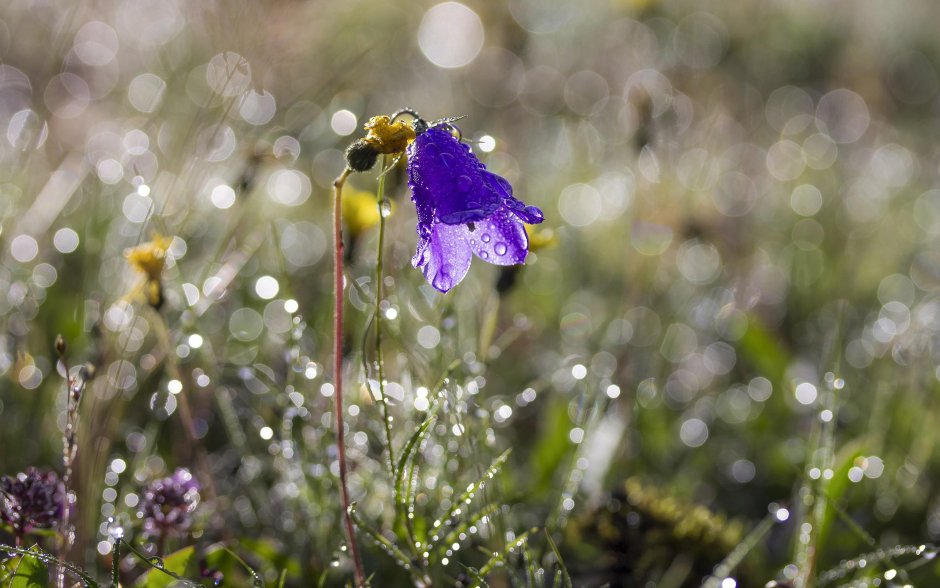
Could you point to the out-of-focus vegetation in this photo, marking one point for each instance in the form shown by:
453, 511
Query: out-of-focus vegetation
723, 350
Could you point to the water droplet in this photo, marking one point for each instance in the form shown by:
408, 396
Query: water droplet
485, 237
156, 562
484, 255
500, 249
385, 208
334, 562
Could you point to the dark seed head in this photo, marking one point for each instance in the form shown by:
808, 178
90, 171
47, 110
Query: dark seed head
361, 156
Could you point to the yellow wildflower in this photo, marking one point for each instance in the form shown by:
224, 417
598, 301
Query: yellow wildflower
541, 238
149, 259
360, 211
386, 136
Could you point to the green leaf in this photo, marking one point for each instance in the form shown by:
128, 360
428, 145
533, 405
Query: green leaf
29, 572
405, 469
181, 563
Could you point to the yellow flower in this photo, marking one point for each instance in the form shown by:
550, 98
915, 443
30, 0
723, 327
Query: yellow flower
360, 211
386, 136
541, 238
149, 258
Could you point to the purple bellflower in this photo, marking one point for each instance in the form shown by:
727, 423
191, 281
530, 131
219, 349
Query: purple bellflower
463, 209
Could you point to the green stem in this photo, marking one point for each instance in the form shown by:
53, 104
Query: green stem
379, 356
379, 295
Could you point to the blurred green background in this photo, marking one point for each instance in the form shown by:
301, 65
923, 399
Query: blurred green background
736, 308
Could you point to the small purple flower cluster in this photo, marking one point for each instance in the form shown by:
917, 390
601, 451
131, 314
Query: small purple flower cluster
33, 499
168, 503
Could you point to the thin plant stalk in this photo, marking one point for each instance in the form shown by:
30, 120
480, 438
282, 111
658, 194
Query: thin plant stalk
74, 386
338, 284
379, 295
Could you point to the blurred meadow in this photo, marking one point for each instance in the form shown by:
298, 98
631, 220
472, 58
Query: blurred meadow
718, 366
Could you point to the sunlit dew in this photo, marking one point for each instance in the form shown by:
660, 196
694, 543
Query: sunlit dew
613, 391
289, 187
789, 110
428, 337
145, 92
174, 386
266, 287
502, 413
843, 115
136, 208
110, 171
257, 108
693, 432
24, 248
578, 371
450, 35
228, 74
222, 196
44, 275
728, 583
806, 200
785, 160
245, 324
191, 292
805, 393
819, 151
576, 435
698, 262
343, 122
67, 95
486, 143
266, 433
195, 341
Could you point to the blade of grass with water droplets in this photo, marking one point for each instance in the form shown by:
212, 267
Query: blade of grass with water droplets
467, 496
562, 569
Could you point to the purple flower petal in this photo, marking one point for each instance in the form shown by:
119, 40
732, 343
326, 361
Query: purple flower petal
500, 239
448, 177
530, 214
462, 208
444, 256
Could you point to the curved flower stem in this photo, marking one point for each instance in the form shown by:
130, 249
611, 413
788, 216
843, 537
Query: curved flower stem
379, 358
338, 371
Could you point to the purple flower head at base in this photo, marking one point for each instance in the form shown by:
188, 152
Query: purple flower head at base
463, 210
31, 500
168, 503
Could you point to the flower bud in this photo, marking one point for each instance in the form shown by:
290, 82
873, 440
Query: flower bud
361, 156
